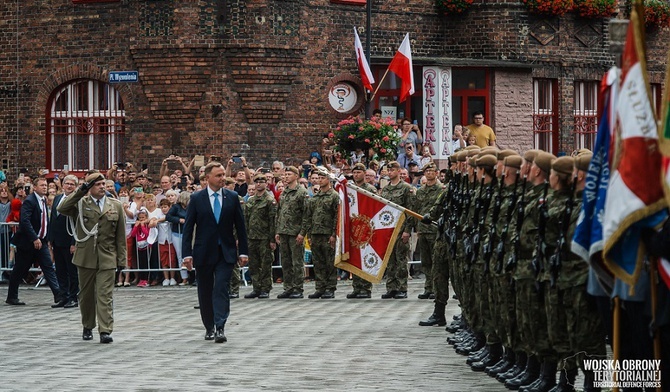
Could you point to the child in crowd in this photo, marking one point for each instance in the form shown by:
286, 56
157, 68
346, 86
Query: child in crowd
140, 235
168, 255
426, 157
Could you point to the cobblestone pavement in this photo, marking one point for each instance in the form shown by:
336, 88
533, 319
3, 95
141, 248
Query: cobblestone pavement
273, 345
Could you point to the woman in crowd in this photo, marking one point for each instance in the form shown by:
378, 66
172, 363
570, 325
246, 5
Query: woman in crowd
410, 134
177, 216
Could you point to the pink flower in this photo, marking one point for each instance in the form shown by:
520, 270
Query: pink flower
338, 128
360, 128
331, 135
367, 140
378, 125
352, 137
383, 150
385, 138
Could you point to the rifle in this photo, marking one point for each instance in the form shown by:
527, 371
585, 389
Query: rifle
482, 224
449, 204
540, 245
516, 245
453, 218
488, 247
468, 241
564, 223
500, 248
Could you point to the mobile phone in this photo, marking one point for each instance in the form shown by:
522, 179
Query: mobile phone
415, 122
306, 167
56, 176
123, 199
21, 176
26, 188
237, 159
183, 182
66, 167
144, 166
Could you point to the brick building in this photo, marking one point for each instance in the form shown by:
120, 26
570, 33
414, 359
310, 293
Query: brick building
216, 76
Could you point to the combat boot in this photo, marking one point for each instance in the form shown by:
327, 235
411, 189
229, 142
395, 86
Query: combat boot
437, 318
547, 379
474, 344
514, 371
494, 355
478, 355
566, 381
529, 374
503, 365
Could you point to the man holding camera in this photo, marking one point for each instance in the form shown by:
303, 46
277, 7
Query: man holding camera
101, 248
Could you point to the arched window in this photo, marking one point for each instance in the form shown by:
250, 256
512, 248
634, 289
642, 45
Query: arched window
85, 126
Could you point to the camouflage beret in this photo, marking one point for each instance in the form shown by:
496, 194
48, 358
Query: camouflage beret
506, 153
429, 166
487, 161
472, 161
543, 160
563, 165
582, 161
359, 166
514, 161
260, 177
293, 169
94, 177
529, 156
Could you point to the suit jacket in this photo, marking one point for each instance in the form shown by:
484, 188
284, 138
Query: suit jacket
30, 223
57, 233
108, 250
210, 234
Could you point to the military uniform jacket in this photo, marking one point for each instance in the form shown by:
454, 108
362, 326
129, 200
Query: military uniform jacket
486, 220
425, 199
322, 213
502, 222
574, 270
259, 217
292, 211
524, 269
400, 194
107, 249
556, 206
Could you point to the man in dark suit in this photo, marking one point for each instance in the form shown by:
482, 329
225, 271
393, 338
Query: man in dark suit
31, 243
63, 246
214, 213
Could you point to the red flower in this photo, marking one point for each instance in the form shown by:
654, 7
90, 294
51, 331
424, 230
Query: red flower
382, 150
352, 137
331, 135
367, 140
385, 138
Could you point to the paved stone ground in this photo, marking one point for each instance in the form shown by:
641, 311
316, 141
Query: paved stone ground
274, 345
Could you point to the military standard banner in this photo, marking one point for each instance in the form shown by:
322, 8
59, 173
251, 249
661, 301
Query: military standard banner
367, 228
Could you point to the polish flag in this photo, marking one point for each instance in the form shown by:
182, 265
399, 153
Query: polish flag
401, 65
363, 66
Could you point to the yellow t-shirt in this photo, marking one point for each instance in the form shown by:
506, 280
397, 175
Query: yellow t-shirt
484, 134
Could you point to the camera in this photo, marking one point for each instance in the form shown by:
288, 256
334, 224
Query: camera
237, 158
215, 158
306, 167
264, 170
183, 182
26, 189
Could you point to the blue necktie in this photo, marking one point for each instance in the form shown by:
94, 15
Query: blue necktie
217, 207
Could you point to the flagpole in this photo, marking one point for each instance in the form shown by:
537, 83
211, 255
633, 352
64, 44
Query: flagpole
653, 273
368, 40
615, 338
387, 202
379, 85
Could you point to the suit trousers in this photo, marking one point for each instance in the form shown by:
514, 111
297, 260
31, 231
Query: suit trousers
95, 298
213, 292
66, 272
25, 257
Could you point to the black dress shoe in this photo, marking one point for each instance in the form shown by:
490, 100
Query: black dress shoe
209, 335
284, 294
60, 304
316, 294
425, 295
87, 334
295, 295
400, 295
219, 337
71, 304
235, 295
14, 301
328, 294
389, 294
105, 337
253, 294
263, 295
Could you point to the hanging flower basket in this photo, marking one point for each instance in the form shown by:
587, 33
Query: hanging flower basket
595, 8
549, 7
656, 13
452, 7
379, 135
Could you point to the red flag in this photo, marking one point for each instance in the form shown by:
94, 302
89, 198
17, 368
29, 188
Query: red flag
363, 67
401, 65
366, 233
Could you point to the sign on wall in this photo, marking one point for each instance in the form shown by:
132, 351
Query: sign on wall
343, 97
389, 111
437, 110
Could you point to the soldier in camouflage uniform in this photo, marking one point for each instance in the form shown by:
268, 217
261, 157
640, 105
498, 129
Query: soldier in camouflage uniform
425, 199
322, 218
235, 277
291, 226
361, 287
259, 215
531, 317
401, 193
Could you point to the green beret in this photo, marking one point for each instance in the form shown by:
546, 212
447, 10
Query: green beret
359, 166
472, 147
487, 152
543, 160
462, 156
322, 171
582, 161
529, 156
393, 165
472, 153
429, 166
94, 177
293, 169
563, 165
487, 161
472, 161
260, 177
506, 153
514, 161
583, 151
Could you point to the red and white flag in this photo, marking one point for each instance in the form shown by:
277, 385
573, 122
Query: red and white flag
363, 66
401, 65
367, 229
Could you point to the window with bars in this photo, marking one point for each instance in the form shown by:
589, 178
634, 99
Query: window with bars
586, 113
85, 126
545, 114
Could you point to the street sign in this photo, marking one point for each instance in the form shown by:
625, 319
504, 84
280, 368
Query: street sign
123, 77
